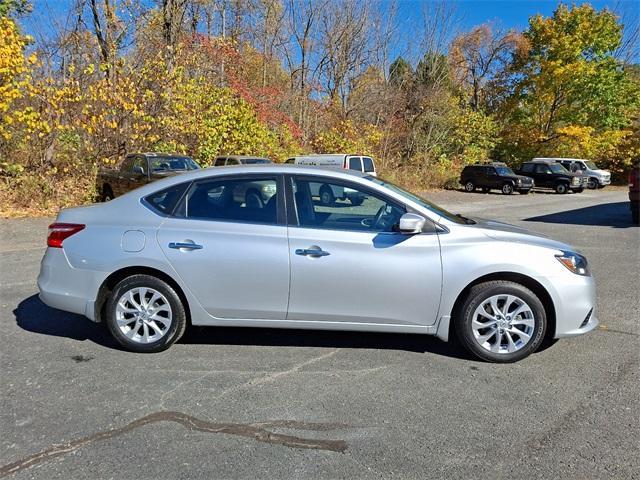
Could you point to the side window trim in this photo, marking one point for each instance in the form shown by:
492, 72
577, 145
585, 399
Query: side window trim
281, 214
292, 214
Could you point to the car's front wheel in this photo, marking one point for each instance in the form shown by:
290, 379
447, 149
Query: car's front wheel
562, 188
470, 186
592, 183
507, 189
501, 321
145, 314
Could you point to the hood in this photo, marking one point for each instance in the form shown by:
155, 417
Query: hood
599, 171
511, 233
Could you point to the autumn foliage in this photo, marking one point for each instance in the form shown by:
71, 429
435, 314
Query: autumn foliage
305, 80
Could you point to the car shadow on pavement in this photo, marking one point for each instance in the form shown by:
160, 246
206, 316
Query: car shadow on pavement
616, 215
34, 316
275, 337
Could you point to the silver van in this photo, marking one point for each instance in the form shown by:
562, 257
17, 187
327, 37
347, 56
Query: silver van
359, 163
329, 194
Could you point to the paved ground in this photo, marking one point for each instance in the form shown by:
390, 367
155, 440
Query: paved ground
282, 404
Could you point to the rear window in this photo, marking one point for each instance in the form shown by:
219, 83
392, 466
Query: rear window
290, 160
165, 201
367, 163
527, 167
254, 161
220, 162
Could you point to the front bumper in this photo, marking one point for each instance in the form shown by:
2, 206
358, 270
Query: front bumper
604, 181
574, 298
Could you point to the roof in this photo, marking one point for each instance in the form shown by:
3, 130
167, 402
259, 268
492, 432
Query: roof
244, 157
159, 154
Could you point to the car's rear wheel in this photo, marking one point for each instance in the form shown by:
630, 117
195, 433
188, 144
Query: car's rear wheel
562, 188
356, 201
470, 186
507, 189
145, 314
501, 321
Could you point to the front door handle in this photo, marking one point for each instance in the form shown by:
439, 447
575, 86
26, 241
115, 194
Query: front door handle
185, 246
312, 252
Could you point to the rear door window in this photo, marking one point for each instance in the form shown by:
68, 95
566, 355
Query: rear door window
246, 200
220, 162
355, 164
527, 167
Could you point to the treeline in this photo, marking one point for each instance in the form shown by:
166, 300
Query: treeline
280, 77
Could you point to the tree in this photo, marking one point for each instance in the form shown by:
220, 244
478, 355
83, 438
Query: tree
568, 77
477, 56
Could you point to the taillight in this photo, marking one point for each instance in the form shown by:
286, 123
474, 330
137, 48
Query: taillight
58, 232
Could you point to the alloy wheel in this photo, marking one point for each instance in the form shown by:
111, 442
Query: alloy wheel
503, 324
143, 315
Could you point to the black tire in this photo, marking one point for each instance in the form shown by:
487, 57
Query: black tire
479, 293
178, 314
356, 201
507, 189
592, 183
562, 188
470, 186
326, 195
107, 194
524, 192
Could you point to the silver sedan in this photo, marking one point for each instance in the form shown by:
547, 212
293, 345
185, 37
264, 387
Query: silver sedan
191, 250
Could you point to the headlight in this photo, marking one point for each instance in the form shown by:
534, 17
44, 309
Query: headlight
574, 262
519, 181
576, 181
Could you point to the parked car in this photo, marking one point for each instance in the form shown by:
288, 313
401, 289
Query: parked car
494, 175
551, 174
596, 177
138, 169
240, 160
358, 163
170, 254
634, 192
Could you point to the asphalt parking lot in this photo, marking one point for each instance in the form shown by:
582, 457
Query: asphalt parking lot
249, 403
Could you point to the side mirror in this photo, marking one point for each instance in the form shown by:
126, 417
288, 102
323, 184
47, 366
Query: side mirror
138, 169
410, 223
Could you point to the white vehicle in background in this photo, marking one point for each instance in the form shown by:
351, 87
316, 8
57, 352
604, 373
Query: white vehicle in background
328, 194
596, 177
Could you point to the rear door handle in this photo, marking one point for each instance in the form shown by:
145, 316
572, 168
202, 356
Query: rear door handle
312, 252
185, 246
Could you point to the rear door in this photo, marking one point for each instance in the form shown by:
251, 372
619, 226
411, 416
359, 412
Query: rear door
231, 253
349, 265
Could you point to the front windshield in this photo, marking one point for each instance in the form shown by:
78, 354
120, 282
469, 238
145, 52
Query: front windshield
162, 164
591, 165
557, 168
504, 171
420, 201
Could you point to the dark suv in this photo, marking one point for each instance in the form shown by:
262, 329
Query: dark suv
494, 175
551, 174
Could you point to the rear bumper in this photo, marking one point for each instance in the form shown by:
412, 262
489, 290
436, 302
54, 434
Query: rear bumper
66, 288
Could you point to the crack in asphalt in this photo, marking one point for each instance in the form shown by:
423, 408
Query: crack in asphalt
255, 431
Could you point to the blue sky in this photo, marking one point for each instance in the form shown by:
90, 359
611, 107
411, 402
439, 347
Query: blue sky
502, 13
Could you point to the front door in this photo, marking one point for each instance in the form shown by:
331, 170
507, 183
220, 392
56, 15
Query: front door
229, 245
349, 265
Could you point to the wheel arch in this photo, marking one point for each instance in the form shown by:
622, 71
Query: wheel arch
532, 284
116, 277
